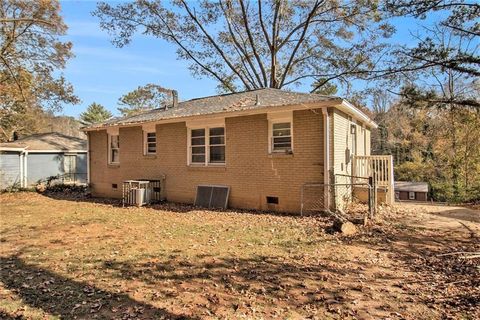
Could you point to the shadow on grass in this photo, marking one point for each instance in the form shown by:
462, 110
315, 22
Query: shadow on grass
463, 214
433, 258
57, 295
225, 283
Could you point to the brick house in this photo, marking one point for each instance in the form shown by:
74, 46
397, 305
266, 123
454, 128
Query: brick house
264, 144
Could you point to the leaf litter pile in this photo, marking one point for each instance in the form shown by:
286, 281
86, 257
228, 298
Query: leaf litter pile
75, 259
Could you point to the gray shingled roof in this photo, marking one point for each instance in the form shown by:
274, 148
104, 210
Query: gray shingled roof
48, 141
411, 186
222, 103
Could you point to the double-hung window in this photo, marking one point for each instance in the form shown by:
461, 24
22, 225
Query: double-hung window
198, 146
281, 140
207, 146
114, 149
216, 145
150, 142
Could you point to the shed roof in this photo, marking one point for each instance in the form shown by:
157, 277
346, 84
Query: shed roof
47, 141
247, 100
411, 186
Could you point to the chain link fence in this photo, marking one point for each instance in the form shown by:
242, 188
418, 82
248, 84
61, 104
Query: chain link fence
352, 195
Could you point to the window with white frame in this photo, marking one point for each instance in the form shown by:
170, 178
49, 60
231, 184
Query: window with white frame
281, 136
150, 142
207, 146
114, 149
411, 195
198, 146
216, 145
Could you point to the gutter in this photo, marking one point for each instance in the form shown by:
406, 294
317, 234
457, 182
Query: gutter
12, 149
338, 103
349, 108
222, 114
88, 158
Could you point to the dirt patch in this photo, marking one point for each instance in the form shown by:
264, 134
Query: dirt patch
77, 259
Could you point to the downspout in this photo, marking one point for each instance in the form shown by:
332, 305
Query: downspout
326, 157
88, 158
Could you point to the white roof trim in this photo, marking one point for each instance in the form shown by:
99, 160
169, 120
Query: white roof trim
225, 114
341, 104
56, 151
11, 149
349, 108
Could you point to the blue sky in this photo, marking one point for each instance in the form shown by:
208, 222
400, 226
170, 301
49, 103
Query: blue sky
101, 72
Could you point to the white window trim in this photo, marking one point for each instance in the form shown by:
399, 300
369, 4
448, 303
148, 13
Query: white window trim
279, 117
109, 148
410, 193
207, 126
145, 143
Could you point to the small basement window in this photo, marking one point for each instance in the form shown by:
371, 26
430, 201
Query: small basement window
411, 195
272, 200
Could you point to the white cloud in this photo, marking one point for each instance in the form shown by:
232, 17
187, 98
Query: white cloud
85, 29
110, 53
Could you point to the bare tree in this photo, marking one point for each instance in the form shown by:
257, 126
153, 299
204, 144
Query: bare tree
255, 44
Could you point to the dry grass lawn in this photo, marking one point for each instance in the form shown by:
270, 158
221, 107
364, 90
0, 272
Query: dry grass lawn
84, 260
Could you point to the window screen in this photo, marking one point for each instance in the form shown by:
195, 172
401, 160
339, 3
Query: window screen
151, 143
281, 137
198, 146
217, 145
212, 196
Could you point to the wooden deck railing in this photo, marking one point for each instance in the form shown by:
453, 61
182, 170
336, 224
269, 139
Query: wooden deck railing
378, 167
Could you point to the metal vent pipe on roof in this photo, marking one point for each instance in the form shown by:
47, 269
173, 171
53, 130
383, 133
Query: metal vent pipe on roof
174, 98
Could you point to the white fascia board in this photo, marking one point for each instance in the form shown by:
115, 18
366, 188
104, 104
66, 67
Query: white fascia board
57, 151
350, 109
12, 149
220, 115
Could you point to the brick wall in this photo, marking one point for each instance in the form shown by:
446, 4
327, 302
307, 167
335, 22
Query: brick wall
250, 171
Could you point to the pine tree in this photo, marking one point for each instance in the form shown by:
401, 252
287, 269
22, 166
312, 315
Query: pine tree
94, 113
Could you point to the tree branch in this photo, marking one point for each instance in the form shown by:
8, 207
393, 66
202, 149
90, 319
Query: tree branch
252, 44
215, 45
172, 36
32, 20
242, 49
302, 37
